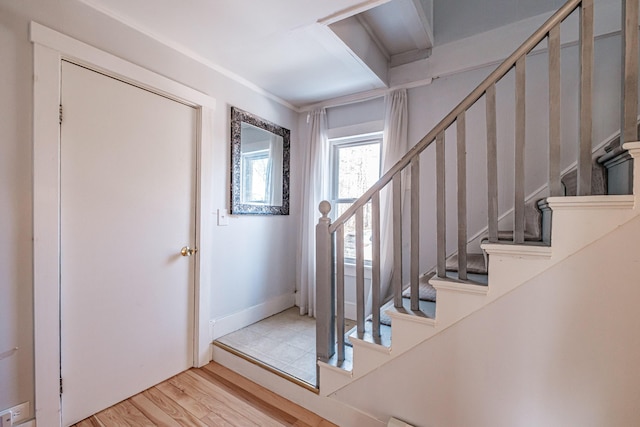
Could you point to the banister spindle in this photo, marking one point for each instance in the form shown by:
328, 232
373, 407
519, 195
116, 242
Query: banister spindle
586, 91
441, 211
555, 185
492, 164
462, 195
518, 200
360, 301
415, 233
375, 263
396, 279
340, 291
629, 127
325, 293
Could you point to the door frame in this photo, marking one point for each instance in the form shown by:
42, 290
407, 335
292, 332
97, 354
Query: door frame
50, 48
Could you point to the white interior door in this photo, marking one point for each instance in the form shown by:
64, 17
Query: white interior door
128, 192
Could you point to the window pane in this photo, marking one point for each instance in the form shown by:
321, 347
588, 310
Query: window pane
358, 169
350, 232
255, 170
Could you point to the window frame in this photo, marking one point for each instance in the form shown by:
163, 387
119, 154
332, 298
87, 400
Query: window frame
335, 145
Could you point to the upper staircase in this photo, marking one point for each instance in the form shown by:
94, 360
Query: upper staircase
455, 275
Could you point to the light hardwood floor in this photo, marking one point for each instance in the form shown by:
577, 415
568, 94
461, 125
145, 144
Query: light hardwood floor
208, 396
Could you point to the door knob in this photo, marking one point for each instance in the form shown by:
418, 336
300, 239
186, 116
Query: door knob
187, 251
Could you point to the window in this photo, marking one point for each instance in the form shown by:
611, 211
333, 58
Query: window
256, 172
355, 166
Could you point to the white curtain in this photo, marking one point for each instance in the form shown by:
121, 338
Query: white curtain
275, 170
394, 146
314, 190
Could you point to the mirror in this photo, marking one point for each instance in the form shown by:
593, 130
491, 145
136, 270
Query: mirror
259, 165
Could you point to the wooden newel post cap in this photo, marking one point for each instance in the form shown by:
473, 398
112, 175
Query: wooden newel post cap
325, 208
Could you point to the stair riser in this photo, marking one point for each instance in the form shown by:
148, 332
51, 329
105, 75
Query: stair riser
455, 305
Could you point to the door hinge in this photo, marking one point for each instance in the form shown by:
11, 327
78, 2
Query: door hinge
60, 385
60, 114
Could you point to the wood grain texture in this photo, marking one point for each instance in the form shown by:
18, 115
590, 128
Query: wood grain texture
441, 208
492, 164
461, 156
208, 396
415, 233
629, 71
375, 264
586, 98
360, 272
396, 280
518, 202
555, 186
340, 292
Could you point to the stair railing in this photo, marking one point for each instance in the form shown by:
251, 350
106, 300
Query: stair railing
330, 236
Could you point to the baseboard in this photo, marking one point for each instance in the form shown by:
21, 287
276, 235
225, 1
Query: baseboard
233, 322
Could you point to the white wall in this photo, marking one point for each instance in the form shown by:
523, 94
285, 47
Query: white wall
560, 350
254, 257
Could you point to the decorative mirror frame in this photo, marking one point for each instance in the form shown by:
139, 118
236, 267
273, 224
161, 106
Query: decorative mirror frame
239, 116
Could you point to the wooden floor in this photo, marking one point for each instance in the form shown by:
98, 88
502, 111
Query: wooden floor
208, 396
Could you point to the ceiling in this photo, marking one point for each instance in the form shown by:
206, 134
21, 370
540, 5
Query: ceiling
307, 51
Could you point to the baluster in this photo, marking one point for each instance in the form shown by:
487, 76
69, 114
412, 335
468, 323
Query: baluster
492, 164
340, 291
586, 88
397, 240
375, 263
360, 302
325, 293
555, 185
518, 204
415, 233
629, 71
441, 211
462, 195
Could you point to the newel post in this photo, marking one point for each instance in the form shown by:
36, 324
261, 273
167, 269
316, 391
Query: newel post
325, 292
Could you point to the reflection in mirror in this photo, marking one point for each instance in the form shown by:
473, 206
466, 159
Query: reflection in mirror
259, 165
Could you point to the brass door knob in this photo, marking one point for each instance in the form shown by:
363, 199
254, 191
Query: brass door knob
187, 251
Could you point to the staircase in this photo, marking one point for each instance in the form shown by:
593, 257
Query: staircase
575, 211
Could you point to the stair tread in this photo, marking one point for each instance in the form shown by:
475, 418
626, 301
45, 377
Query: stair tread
507, 235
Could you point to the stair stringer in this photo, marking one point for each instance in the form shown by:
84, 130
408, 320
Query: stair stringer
577, 222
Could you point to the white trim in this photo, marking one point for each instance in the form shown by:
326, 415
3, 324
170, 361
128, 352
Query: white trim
357, 129
449, 285
591, 202
185, 51
351, 11
238, 320
359, 342
635, 145
336, 369
50, 48
520, 251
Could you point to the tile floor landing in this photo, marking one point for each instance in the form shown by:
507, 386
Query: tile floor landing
285, 341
